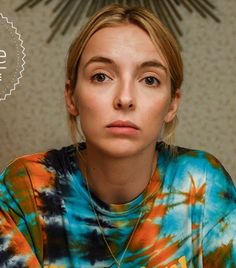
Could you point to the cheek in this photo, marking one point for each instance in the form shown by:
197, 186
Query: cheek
90, 98
91, 109
158, 109
86, 102
156, 119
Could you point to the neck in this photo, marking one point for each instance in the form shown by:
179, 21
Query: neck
118, 180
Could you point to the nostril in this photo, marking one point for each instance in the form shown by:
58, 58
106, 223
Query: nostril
123, 103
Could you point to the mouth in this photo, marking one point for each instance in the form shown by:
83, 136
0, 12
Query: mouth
123, 128
123, 124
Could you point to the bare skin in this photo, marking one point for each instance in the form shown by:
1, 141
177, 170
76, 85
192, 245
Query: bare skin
122, 77
118, 183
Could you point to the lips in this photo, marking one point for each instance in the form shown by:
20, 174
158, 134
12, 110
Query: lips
123, 124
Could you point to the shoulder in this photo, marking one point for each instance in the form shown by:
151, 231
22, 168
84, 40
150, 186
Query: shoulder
41, 162
33, 172
206, 167
194, 170
21, 167
18, 179
203, 164
192, 161
201, 172
24, 167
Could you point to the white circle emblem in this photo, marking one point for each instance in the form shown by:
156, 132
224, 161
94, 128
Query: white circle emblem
12, 55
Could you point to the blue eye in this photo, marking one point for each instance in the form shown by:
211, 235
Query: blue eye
151, 80
99, 77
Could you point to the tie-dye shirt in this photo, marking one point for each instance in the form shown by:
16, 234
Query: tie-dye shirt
188, 215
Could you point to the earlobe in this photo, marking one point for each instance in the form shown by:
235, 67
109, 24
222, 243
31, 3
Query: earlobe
173, 108
70, 99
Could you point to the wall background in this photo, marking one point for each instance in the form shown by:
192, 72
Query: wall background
33, 118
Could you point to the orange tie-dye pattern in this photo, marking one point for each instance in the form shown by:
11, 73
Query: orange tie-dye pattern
195, 195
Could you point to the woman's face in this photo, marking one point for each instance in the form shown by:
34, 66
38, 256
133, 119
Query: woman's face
123, 91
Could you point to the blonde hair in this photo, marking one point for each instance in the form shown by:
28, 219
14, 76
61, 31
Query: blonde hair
115, 15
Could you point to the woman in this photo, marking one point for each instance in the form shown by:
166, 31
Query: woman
119, 199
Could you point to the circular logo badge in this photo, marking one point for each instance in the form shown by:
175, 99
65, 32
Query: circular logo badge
12, 54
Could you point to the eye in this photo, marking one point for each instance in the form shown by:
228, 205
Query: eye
151, 81
99, 77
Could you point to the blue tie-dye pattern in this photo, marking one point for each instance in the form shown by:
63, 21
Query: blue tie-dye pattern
198, 221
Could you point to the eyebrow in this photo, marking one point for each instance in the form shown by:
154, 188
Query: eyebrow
154, 63
150, 63
99, 59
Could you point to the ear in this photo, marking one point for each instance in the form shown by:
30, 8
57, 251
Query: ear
70, 99
173, 108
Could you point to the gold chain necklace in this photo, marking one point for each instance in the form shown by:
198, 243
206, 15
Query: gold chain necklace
118, 262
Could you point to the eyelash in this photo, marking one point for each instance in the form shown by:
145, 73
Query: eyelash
93, 78
153, 77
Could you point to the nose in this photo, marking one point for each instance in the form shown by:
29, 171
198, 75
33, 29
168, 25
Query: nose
125, 97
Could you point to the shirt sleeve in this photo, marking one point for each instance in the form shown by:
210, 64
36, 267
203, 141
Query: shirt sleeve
219, 221
19, 226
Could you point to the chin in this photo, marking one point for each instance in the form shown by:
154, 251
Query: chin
121, 152
121, 148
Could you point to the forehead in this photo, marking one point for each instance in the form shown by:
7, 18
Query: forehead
124, 42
